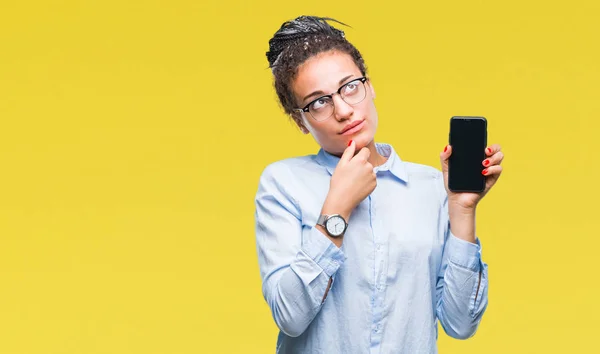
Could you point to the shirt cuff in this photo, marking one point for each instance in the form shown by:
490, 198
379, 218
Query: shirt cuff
324, 252
464, 253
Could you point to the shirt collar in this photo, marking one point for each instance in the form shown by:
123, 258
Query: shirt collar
393, 164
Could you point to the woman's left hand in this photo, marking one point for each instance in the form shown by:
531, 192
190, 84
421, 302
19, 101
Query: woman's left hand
492, 171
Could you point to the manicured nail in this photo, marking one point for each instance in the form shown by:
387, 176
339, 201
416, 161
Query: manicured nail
489, 150
446, 148
350, 143
486, 162
484, 172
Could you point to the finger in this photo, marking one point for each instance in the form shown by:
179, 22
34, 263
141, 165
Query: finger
492, 149
444, 156
495, 159
364, 153
492, 171
348, 152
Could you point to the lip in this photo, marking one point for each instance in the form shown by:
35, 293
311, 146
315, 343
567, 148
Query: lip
353, 127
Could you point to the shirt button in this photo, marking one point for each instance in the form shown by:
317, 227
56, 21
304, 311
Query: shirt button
379, 287
379, 247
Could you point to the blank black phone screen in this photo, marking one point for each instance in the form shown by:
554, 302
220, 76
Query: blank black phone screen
468, 138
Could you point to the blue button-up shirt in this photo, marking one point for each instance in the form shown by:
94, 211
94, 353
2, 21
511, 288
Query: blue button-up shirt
399, 269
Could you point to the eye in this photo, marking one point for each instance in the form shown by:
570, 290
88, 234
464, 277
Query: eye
350, 88
320, 103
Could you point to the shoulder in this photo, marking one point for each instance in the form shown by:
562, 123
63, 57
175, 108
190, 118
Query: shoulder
280, 181
287, 167
291, 174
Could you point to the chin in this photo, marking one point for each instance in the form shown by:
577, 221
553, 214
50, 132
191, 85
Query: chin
363, 139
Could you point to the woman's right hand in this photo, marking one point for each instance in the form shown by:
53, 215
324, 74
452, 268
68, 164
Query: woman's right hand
352, 181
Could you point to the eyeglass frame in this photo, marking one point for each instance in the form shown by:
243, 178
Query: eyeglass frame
306, 109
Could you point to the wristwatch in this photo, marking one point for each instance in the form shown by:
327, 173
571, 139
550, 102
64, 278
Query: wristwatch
334, 224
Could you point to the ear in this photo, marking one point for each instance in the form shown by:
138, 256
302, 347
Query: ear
372, 89
303, 129
297, 118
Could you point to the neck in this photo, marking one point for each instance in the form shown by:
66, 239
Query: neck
375, 158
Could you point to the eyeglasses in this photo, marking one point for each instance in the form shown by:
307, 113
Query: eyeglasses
322, 108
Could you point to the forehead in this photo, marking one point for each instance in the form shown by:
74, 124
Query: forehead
323, 72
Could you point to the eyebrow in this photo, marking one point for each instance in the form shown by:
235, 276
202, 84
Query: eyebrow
321, 92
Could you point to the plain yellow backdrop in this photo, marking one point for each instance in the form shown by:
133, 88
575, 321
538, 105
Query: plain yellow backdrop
133, 133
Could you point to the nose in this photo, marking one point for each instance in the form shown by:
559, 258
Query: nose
342, 110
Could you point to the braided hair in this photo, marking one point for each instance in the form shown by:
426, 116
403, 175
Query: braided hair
297, 41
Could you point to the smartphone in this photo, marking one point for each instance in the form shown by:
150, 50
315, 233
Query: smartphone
468, 138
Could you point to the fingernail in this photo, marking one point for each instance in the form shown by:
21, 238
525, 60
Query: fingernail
489, 150
445, 148
350, 143
486, 162
484, 172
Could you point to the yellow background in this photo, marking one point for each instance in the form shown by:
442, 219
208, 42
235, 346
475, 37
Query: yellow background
133, 133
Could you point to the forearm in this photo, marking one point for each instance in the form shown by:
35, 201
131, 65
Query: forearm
298, 262
295, 296
295, 290
462, 278
462, 289
462, 222
332, 207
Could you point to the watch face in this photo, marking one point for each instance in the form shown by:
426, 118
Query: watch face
335, 225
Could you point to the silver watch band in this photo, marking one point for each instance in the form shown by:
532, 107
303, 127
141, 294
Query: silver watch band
321, 219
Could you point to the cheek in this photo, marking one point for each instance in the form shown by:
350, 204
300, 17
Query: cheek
325, 133
319, 131
326, 136
373, 114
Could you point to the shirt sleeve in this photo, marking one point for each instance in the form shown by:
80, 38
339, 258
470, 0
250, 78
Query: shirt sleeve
296, 261
462, 283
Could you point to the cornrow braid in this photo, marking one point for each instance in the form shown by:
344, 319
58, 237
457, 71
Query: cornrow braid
292, 31
298, 40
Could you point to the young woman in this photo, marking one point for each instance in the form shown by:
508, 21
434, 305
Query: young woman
359, 251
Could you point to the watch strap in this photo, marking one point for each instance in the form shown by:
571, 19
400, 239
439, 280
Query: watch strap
321, 219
